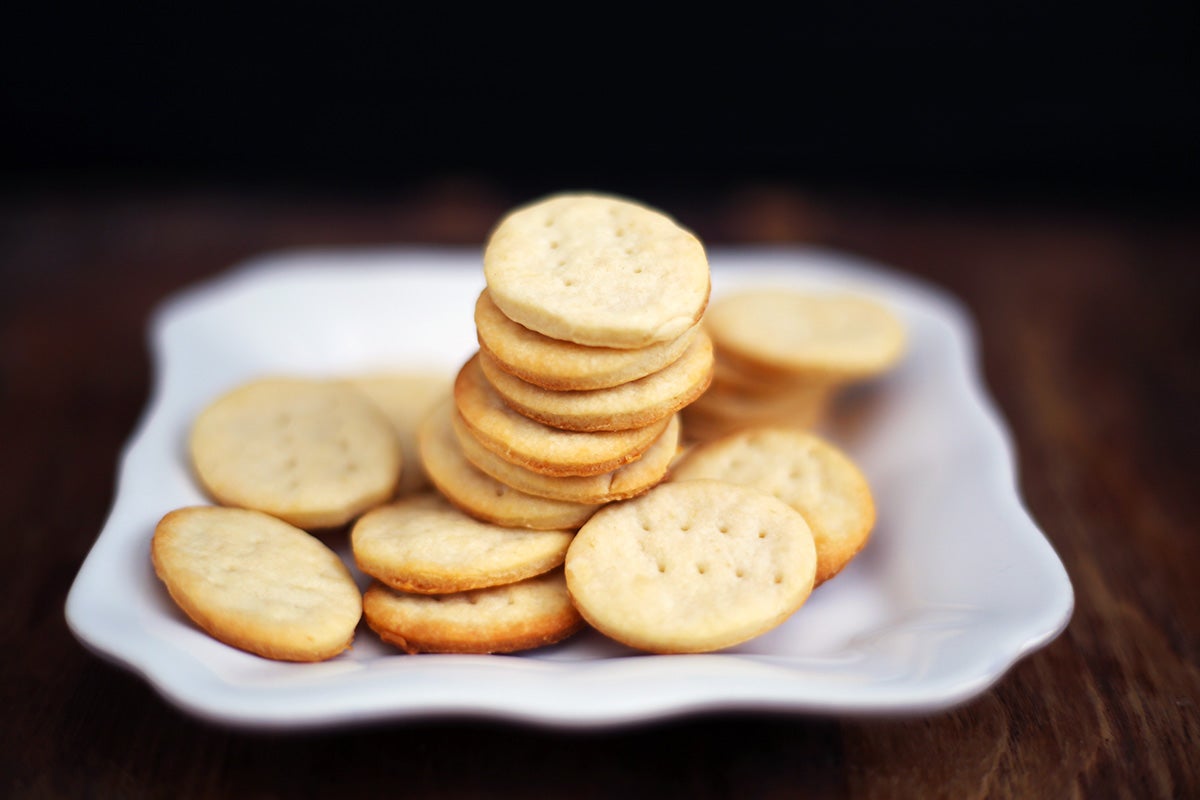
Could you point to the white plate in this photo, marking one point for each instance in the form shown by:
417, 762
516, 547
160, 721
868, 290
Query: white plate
956, 584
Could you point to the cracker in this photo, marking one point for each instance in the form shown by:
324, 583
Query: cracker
557, 364
502, 619
834, 336
732, 374
314, 453
597, 270
257, 583
734, 400
405, 398
804, 470
538, 447
426, 545
722, 410
620, 484
693, 566
704, 423
481, 495
631, 405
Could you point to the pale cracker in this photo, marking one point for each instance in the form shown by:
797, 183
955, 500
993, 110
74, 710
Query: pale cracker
731, 373
691, 567
518, 616
556, 364
736, 400
703, 422
804, 470
257, 583
423, 544
481, 495
836, 336
312, 452
405, 398
631, 405
722, 410
538, 447
597, 270
620, 484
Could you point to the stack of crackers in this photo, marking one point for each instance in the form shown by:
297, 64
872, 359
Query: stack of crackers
617, 454
590, 345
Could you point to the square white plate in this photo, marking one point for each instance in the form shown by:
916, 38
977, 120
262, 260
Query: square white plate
956, 584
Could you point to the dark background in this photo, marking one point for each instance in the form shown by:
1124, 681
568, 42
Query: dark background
1083, 104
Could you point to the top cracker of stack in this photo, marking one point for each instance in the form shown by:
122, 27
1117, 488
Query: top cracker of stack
597, 271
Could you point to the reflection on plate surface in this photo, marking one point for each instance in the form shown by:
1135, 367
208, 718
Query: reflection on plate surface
956, 584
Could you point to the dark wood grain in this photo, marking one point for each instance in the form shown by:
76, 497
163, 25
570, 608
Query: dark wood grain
1089, 340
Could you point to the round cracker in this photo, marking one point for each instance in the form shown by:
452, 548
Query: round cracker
532, 613
703, 422
721, 410
805, 471
481, 495
257, 583
691, 567
557, 364
597, 270
312, 452
732, 374
539, 447
831, 336
735, 401
424, 544
620, 484
404, 398
631, 405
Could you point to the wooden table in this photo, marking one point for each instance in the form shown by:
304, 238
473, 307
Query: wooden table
1087, 322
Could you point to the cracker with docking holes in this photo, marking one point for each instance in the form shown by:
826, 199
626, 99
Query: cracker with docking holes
557, 364
257, 583
405, 398
805, 471
312, 452
597, 270
481, 495
620, 484
539, 447
423, 544
532, 613
634, 404
691, 567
